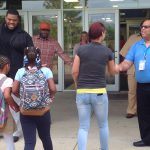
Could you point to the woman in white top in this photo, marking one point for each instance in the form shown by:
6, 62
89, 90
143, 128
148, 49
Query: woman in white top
6, 87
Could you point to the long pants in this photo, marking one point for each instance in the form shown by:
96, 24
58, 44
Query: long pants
16, 116
40, 123
143, 111
86, 104
8, 138
132, 102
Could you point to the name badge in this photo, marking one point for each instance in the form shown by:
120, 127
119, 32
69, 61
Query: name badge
142, 65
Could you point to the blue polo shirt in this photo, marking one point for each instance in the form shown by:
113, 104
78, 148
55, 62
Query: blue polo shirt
139, 52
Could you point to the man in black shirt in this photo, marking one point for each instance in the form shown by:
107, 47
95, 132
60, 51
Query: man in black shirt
13, 40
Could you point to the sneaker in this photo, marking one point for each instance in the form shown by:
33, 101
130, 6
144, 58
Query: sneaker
16, 138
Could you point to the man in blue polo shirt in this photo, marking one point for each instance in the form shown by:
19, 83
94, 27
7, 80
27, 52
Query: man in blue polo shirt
139, 55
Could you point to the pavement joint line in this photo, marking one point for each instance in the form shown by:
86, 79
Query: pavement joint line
75, 146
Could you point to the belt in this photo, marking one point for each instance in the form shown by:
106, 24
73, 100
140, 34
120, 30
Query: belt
98, 90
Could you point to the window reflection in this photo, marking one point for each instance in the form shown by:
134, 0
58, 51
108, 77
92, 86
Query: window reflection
40, 4
98, 4
2, 18
52, 4
2, 5
108, 20
111, 4
72, 30
32, 5
74, 4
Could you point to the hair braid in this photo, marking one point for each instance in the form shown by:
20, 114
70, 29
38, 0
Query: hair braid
3, 61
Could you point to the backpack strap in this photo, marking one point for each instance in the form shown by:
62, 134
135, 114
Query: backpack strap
40, 70
3, 107
2, 103
42, 73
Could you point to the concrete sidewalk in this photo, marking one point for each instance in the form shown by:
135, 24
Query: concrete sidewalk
123, 132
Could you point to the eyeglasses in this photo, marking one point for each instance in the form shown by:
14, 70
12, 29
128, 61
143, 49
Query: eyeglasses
145, 26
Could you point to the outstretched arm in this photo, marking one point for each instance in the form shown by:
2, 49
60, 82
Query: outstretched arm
123, 66
62, 55
111, 67
75, 69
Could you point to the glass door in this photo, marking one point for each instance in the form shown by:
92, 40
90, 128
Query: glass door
110, 18
54, 18
2, 16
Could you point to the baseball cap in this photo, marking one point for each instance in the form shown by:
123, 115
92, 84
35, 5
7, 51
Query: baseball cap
44, 26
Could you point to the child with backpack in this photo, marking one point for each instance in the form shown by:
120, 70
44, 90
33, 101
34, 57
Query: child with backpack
35, 86
7, 123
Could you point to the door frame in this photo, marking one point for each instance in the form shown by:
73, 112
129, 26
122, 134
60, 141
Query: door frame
28, 27
110, 87
27, 15
59, 37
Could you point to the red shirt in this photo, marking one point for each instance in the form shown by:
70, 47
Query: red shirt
49, 47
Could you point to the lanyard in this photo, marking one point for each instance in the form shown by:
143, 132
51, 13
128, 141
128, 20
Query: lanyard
145, 53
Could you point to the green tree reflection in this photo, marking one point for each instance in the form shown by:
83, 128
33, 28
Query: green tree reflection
53, 4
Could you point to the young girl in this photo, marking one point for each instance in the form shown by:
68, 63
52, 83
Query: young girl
31, 123
6, 88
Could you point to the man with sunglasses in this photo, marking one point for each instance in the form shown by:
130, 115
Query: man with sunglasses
49, 47
139, 55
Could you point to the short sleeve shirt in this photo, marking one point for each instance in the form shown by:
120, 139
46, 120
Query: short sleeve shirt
46, 71
139, 52
131, 40
93, 61
7, 83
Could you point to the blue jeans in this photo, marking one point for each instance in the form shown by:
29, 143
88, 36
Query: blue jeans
40, 123
86, 104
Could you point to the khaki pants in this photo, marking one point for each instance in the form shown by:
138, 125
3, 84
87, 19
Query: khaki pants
132, 102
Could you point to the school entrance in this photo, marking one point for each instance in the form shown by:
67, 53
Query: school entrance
66, 29
67, 26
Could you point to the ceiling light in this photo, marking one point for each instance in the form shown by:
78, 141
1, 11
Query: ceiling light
122, 14
77, 7
109, 20
65, 19
115, 6
71, 1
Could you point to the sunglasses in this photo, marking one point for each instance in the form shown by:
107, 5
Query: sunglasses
145, 26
